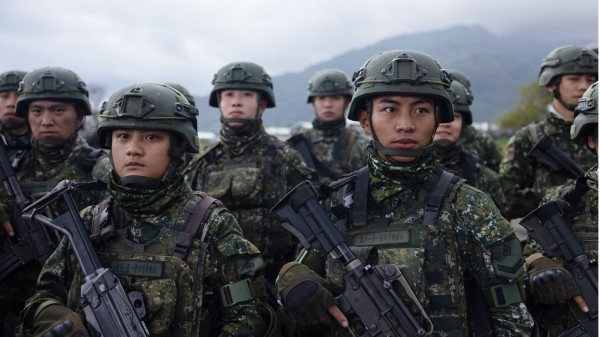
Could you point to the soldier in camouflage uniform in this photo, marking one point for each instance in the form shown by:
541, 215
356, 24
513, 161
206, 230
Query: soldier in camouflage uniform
331, 148
13, 128
475, 141
248, 169
54, 102
566, 72
436, 238
451, 154
552, 309
148, 128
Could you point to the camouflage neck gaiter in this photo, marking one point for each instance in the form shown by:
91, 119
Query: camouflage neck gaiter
329, 129
51, 157
146, 203
447, 153
237, 143
388, 180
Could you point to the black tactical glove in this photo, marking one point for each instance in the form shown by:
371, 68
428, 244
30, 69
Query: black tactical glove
53, 319
549, 281
302, 293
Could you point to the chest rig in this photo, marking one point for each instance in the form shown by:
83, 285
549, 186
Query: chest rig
412, 237
168, 270
582, 212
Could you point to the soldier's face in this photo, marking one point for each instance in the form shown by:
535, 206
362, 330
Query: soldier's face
573, 86
449, 131
8, 102
401, 122
53, 120
140, 153
244, 104
329, 108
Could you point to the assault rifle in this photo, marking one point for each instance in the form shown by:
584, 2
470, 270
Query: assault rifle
368, 300
547, 226
31, 242
109, 311
546, 152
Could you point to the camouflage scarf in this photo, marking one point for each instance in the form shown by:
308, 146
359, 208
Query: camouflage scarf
51, 157
390, 181
146, 203
239, 142
329, 129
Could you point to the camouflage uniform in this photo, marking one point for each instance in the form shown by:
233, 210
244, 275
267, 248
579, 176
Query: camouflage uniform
482, 144
38, 171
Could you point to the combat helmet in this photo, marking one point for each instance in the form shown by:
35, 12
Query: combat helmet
242, 75
52, 83
402, 72
569, 59
329, 82
586, 113
9, 80
459, 76
184, 91
462, 100
152, 107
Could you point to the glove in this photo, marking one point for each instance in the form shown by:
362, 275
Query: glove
549, 281
53, 319
303, 295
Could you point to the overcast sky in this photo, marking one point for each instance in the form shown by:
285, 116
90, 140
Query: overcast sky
115, 43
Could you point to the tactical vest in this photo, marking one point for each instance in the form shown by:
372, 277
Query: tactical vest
168, 270
583, 214
414, 241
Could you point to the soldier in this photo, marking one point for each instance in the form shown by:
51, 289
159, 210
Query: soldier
475, 141
549, 306
13, 128
248, 169
54, 102
451, 154
331, 148
566, 73
148, 128
436, 238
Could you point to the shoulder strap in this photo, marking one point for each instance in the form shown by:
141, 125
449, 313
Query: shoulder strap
103, 228
361, 195
301, 144
87, 161
468, 162
442, 188
200, 214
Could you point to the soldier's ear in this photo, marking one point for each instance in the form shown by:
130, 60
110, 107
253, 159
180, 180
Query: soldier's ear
365, 123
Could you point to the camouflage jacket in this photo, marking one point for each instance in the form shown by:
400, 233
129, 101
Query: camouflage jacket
483, 145
469, 237
249, 174
470, 167
524, 180
17, 146
340, 153
181, 295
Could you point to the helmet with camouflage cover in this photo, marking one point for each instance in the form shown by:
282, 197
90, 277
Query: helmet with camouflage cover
403, 72
53, 83
184, 91
152, 107
9, 80
569, 59
459, 76
462, 100
245, 76
329, 82
586, 113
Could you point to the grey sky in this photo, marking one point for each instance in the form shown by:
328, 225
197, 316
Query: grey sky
116, 43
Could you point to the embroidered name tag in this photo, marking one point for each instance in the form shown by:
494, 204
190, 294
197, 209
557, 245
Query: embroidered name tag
137, 268
384, 237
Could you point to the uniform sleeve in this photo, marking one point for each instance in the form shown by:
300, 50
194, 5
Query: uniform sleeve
230, 259
494, 259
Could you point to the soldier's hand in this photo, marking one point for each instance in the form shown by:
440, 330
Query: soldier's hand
550, 282
8, 228
581, 303
336, 313
53, 319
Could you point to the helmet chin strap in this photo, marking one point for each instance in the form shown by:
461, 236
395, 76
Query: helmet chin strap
556, 94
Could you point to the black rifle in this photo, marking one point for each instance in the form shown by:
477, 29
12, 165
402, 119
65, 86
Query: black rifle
546, 152
547, 226
109, 311
368, 300
31, 242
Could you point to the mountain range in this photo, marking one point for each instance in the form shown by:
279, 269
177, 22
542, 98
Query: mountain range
496, 66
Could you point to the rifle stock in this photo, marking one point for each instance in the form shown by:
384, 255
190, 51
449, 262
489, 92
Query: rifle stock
109, 310
369, 301
546, 152
547, 226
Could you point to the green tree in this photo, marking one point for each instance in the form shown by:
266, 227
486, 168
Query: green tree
531, 107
